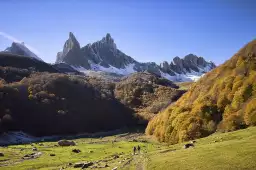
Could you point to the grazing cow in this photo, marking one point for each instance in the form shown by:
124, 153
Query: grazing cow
188, 145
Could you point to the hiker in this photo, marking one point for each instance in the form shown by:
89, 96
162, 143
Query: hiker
138, 148
134, 150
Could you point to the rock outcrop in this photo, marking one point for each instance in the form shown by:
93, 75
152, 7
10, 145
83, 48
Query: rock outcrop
72, 54
190, 63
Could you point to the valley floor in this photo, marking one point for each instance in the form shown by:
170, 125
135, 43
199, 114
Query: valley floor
234, 150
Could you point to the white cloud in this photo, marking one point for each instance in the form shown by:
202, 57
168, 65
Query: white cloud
9, 37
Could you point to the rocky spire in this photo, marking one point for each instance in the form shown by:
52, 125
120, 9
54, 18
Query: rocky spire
71, 43
71, 53
109, 41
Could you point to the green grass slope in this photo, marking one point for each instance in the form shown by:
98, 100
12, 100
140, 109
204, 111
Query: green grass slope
226, 151
101, 151
223, 99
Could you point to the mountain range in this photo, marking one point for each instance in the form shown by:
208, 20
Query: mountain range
103, 56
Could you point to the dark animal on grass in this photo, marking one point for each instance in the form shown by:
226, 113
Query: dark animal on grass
188, 145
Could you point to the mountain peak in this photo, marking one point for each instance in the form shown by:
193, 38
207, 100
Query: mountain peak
71, 53
21, 49
108, 36
108, 40
72, 41
72, 36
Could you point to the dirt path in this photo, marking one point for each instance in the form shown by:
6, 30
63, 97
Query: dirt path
137, 161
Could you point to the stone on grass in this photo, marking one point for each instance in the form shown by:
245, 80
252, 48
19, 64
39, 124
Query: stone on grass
52, 154
83, 165
86, 165
115, 156
34, 149
66, 143
32, 155
79, 165
1, 154
76, 150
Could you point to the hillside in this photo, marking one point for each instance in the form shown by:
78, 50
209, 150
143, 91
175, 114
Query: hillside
23, 62
33, 92
228, 151
52, 103
223, 100
146, 94
76, 104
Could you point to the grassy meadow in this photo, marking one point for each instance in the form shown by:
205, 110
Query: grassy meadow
233, 150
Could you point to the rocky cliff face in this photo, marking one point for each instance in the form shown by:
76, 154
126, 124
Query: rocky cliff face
72, 53
191, 63
104, 56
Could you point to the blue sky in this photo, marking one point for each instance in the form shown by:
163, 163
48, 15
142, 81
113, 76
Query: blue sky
146, 30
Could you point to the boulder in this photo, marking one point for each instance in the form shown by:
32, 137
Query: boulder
115, 156
66, 143
83, 165
1, 154
86, 165
79, 165
76, 150
32, 155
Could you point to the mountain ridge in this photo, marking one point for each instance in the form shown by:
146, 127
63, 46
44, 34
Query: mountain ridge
103, 55
21, 49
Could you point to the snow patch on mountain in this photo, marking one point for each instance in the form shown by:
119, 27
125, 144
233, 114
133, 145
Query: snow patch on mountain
182, 77
129, 69
123, 71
